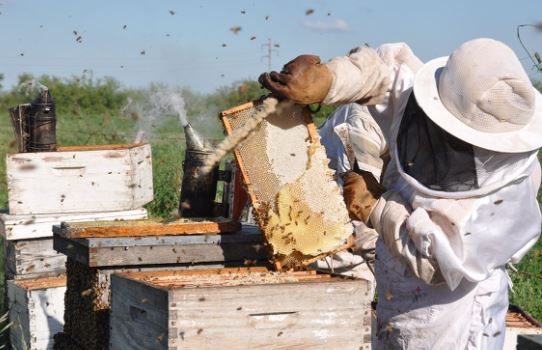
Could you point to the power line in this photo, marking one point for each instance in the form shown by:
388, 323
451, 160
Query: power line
270, 49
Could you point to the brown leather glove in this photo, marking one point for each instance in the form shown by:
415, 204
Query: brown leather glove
361, 191
303, 80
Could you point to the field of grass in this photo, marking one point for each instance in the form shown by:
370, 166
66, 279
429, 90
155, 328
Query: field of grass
528, 279
167, 142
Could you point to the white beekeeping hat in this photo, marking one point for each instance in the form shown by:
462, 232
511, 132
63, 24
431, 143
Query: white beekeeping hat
482, 95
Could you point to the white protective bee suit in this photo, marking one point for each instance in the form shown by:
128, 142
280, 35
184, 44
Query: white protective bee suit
453, 215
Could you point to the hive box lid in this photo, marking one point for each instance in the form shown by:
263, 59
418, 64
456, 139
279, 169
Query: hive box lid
80, 179
223, 277
16, 227
40, 283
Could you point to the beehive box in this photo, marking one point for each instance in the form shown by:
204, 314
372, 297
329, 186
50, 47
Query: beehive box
518, 322
147, 228
29, 244
32, 258
238, 309
87, 300
36, 310
27, 226
297, 202
246, 246
91, 261
80, 179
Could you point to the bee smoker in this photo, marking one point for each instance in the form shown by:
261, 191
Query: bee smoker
198, 191
35, 124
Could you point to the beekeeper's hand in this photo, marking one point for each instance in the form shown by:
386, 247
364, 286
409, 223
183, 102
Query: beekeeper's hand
389, 217
361, 191
421, 230
303, 80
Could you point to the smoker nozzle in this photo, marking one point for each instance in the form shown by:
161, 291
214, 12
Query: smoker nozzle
194, 141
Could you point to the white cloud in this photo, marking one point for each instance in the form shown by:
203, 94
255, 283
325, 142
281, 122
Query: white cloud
338, 25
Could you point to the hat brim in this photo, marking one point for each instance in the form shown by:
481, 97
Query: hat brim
526, 139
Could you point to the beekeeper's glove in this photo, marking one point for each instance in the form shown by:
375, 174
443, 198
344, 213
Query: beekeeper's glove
421, 229
389, 218
361, 191
303, 80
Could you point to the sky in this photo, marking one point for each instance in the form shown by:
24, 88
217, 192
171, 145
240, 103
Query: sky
196, 44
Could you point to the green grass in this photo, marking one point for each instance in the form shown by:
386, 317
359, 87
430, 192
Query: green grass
527, 280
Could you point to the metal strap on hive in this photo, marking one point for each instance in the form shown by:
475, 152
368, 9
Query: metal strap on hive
298, 204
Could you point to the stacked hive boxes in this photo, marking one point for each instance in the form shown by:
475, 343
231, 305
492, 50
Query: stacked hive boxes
88, 183
96, 251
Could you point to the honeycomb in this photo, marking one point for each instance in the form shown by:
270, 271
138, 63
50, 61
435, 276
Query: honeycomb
298, 204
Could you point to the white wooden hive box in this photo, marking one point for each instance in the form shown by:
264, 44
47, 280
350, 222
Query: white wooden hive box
16, 227
36, 310
225, 309
80, 179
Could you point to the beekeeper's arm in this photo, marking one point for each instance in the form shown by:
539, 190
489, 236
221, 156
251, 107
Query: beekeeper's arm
470, 238
462, 238
364, 76
389, 218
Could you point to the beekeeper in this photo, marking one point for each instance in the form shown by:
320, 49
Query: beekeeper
463, 133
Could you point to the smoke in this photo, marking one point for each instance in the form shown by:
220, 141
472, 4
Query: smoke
171, 103
156, 108
140, 137
152, 109
31, 88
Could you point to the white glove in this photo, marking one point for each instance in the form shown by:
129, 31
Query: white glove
345, 263
389, 218
421, 229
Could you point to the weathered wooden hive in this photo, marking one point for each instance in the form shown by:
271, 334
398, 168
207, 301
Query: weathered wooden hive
36, 310
28, 241
297, 201
518, 322
79, 183
97, 250
238, 309
80, 179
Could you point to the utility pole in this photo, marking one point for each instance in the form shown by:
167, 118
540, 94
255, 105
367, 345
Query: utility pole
270, 49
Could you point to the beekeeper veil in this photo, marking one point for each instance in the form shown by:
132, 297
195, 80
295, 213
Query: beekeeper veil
437, 163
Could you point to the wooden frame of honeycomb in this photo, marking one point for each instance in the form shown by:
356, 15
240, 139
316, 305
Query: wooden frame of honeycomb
297, 202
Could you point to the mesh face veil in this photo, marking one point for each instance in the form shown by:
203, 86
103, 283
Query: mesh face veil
441, 162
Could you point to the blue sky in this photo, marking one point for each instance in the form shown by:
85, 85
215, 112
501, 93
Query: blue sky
186, 48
